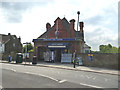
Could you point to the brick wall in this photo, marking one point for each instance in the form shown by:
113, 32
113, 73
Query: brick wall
101, 60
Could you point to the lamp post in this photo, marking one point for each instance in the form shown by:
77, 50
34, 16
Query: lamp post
26, 50
78, 12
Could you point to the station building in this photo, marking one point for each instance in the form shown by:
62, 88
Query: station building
61, 38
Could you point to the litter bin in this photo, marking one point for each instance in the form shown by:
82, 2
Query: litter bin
19, 58
34, 60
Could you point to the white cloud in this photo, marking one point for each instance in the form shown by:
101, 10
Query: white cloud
34, 19
101, 36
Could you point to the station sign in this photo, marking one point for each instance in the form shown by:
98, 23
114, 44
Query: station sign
65, 39
57, 45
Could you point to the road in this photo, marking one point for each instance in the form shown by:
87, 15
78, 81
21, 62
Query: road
23, 76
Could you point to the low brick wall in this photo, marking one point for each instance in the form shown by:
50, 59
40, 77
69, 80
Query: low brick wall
101, 60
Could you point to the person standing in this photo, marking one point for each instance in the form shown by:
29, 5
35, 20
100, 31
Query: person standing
74, 58
52, 57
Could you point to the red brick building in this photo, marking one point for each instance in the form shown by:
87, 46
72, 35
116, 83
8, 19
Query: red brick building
59, 39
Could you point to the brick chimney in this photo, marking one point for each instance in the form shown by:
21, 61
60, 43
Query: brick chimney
81, 26
19, 38
72, 22
48, 26
72, 30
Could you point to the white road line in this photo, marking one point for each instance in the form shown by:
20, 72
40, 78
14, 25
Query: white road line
49, 77
62, 81
88, 77
90, 85
94, 78
42, 76
13, 70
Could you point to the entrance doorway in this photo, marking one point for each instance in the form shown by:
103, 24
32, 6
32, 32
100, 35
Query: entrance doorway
58, 55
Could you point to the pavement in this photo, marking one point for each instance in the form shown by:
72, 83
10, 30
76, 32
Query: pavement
69, 67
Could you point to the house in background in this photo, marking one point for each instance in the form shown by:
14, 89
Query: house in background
87, 48
9, 45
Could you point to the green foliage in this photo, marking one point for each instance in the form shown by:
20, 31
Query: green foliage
29, 48
108, 49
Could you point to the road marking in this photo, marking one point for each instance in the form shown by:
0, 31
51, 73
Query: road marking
42, 76
49, 77
88, 77
62, 81
94, 78
106, 79
90, 85
13, 70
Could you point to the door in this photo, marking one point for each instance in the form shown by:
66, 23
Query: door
58, 55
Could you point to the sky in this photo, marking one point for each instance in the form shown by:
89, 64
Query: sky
28, 18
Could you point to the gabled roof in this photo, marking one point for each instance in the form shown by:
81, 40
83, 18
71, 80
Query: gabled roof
6, 38
86, 46
66, 26
65, 23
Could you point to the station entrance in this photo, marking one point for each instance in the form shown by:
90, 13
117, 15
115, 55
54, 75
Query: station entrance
54, 52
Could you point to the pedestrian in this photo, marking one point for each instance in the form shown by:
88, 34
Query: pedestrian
9, 58
52, 57
74, 58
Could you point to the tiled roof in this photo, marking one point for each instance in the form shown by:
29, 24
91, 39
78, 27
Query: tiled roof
66, 26
86, 46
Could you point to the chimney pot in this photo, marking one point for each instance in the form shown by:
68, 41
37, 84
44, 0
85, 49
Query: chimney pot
9, 34
48, 26
81, 25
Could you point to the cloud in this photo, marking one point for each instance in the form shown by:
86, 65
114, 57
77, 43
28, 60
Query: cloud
101, 36
94, 20
12, 11
28, 19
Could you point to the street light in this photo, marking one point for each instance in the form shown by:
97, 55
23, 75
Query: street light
78, 12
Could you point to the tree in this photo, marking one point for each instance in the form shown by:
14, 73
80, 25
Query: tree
29, 48
109, 45
102, 48
108, 49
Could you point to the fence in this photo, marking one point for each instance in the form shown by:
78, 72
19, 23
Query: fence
104, 60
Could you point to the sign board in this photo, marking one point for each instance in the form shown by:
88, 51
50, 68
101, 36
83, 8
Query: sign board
65, 39
66, 58
90, 57
57, 45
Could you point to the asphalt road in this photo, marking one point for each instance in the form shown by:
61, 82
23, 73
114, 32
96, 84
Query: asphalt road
21, 80
21, 76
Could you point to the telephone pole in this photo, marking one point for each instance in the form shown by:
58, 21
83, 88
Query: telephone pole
26, 51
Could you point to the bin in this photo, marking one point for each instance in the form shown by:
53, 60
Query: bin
34, 60
19, 58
